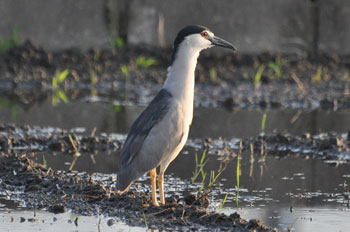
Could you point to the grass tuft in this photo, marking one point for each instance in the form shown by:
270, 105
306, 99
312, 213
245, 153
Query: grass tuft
276, 66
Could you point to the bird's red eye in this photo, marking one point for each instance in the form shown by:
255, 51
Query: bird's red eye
204, 34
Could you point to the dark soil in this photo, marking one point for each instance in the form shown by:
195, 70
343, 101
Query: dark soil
288, 81
27, 138
58, 191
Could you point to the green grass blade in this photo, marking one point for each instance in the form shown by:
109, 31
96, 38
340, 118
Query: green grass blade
62, 75
144, 62
54, 83
124, 70
258, 75
237, 178
223, 203
263, 122
144, 218
93, 77
44, 162
203, 157
117, 43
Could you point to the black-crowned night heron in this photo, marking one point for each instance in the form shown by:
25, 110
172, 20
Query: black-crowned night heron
160, 132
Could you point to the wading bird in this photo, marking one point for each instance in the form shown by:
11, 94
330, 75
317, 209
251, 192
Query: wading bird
160, 132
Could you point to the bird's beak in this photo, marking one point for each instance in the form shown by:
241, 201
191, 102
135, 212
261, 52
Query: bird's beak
221, 43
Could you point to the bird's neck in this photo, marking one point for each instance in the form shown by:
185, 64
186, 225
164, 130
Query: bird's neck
180, 78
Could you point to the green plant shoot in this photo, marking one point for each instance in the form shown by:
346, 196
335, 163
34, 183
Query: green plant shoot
117, 43
59, 78
93, 77
318, 76
44, 162
277, 67
213, 75
144, 218
263, 122
124, 70
144, 62
199, 167
258, 74
237, 177
222, 203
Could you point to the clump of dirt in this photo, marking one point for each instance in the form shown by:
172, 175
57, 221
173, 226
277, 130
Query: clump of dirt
43, 188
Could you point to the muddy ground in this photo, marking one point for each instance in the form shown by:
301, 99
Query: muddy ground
330, 146
231, 80
57, 192
41, 187
287, 81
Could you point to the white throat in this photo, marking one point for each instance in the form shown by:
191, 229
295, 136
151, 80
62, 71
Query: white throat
180, 78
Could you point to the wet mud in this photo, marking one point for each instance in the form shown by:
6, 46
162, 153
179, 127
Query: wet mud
43, 188
332, 146
229, 80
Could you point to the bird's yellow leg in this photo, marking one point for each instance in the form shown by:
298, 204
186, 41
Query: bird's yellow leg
153, 174
161, 187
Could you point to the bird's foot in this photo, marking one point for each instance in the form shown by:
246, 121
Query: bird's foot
155, 202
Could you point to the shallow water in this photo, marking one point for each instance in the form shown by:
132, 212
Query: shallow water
207, 122
290, 192
285, 190
28, 220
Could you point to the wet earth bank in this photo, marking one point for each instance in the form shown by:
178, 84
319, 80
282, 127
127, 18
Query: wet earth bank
136, 73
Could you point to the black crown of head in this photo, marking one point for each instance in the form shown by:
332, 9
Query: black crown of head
186, 31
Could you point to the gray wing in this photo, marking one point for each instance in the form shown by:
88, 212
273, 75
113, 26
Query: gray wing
154, 113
